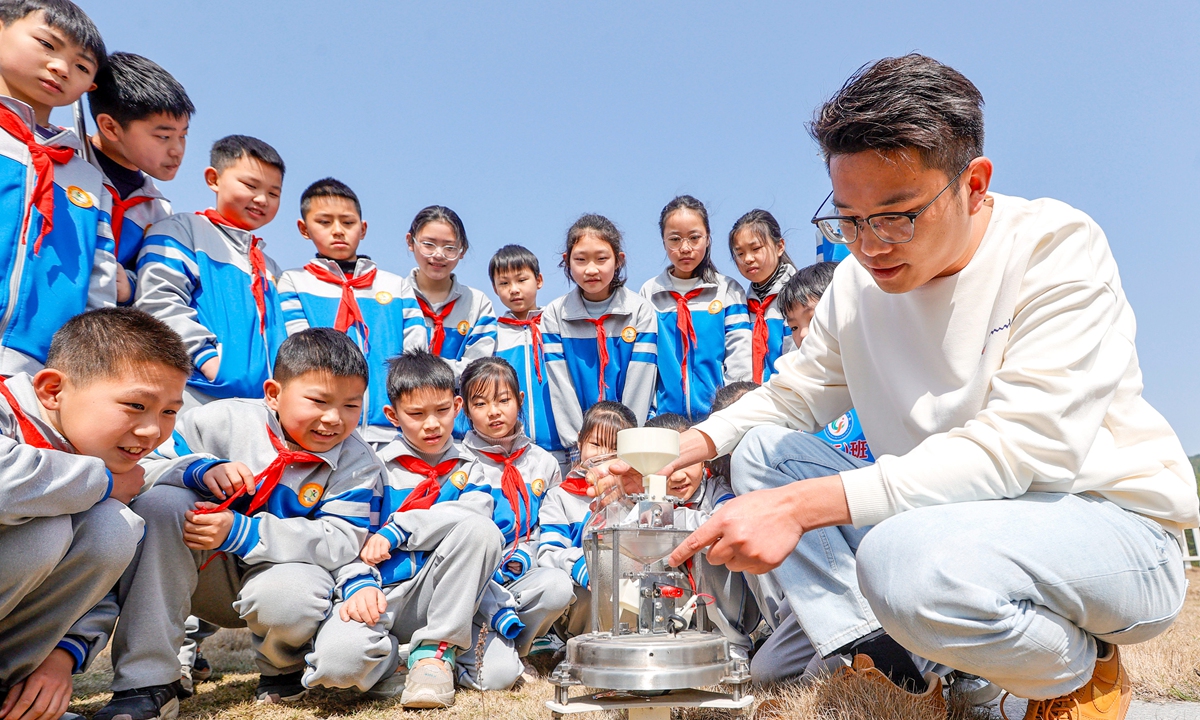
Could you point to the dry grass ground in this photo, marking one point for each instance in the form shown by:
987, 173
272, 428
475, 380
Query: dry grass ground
1166, 668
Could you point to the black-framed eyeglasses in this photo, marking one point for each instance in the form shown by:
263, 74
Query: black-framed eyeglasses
892, 228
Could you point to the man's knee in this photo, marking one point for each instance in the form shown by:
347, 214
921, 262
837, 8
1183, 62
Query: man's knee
755, 459
906, 574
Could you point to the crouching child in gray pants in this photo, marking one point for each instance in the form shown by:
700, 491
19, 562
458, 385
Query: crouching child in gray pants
422, 572
294, 507
70, 440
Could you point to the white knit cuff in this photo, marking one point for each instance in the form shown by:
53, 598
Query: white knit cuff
867, 496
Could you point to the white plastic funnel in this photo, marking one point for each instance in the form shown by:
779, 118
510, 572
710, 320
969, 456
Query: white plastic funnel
648, 450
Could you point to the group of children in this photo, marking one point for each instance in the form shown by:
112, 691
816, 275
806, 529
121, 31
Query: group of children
333, 456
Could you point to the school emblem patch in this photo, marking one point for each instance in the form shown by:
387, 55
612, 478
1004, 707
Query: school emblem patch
464, 327
629, 334
383, 297
538, 486
841, 428
459, 479
80, 197
715, 307
310, 494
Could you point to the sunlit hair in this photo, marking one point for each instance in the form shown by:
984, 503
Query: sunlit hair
440, 213
806, 287
603, 421
327, 188
319, 349
415, 370
670, 421
108, 342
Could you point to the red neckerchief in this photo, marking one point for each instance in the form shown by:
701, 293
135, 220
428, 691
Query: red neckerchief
258, 268
533, 325
602, 349
513, 486
30, 434
349, 313
118, 214
425, 494
43, 157
761, 334
687, 333
265, 481
576, 485
439, 331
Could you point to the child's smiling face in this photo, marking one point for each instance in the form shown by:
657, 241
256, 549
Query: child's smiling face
593, 265
317, 409
247, 191
437, 250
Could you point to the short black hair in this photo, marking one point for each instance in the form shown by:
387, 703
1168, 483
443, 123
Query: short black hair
131, 87
327, 187
62, 15
807, 286
511, 258
104, 343
319, 349
416, 370
670, 421
904, 103
232, 148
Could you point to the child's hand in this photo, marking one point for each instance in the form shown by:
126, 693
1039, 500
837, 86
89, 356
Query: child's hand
364, 606
210, 367
124, 289
227, 478
128, 484
375, 551
207, 531
45, 694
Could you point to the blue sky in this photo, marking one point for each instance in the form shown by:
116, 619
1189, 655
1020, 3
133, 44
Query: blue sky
521, 116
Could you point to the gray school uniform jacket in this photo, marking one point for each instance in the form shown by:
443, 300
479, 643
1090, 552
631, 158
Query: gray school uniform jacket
318, 514
564, 516
572, 352
521, 530
414, 534
43, 483
469, 328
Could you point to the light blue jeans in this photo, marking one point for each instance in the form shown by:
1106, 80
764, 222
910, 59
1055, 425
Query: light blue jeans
1016, 591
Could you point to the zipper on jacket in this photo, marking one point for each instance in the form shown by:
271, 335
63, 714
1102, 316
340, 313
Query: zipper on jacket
14, 284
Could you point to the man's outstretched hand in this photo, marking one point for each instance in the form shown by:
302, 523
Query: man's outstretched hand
755, 533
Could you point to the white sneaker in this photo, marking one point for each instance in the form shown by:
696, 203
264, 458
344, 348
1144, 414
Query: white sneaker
428, 685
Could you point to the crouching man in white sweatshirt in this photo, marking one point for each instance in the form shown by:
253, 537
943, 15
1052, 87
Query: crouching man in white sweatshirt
1024, 513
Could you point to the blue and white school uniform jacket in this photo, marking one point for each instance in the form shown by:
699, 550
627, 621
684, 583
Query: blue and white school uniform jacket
195, 276
515, 344
564, 516
573, 356
394, 324
318, 514
521, 530
470, 328
779, 338
127, 242
720, 354
415, 534
74, 269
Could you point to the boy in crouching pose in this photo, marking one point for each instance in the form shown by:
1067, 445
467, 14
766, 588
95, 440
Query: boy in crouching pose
424, 568
70, 440
256, 506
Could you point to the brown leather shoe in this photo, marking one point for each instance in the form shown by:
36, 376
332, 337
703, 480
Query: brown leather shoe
1105, 697
864, 667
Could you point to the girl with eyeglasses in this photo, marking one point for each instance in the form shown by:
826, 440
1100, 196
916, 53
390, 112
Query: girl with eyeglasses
704, 331
757, 245
460, 319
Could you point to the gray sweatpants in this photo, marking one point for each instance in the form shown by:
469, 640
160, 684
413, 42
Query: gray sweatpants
282, 604
577, 620
435, 606
543, 595
52, 571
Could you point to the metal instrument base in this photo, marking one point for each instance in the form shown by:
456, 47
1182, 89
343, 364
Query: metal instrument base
643, 706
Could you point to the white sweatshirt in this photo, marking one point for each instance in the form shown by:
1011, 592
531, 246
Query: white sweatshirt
1017, 374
